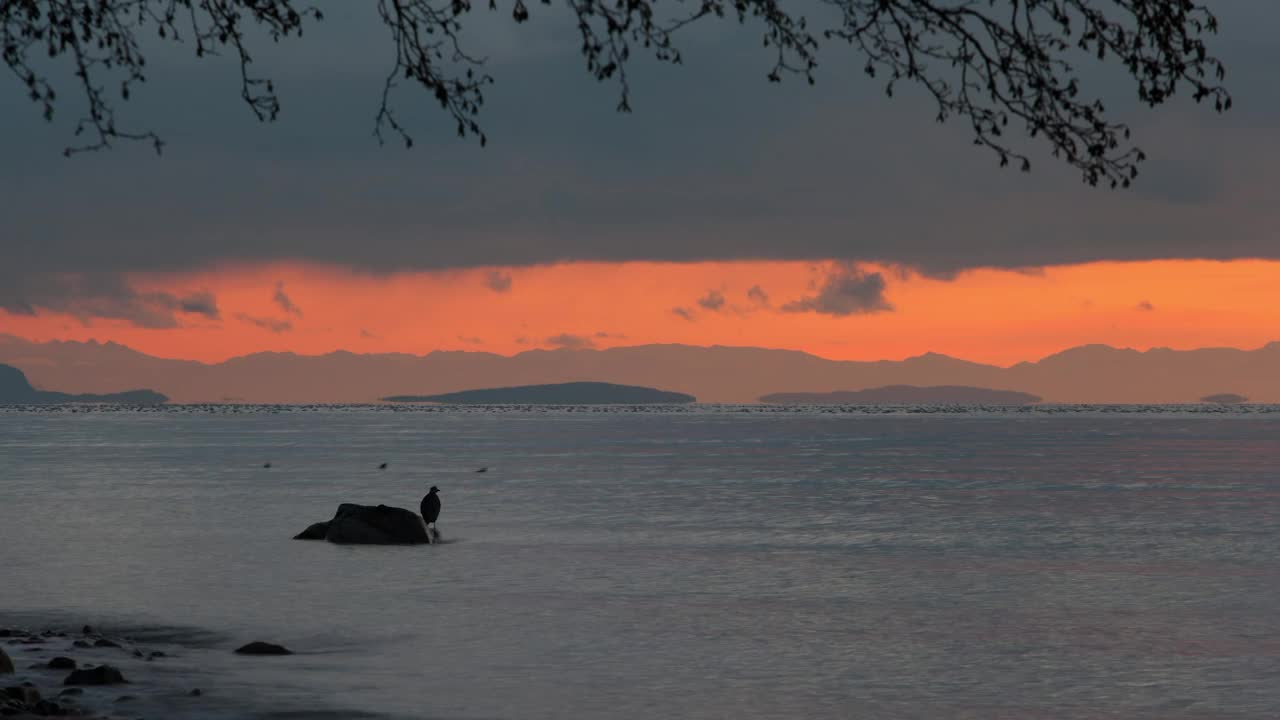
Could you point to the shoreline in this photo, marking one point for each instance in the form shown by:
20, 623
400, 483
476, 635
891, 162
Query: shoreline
89, 673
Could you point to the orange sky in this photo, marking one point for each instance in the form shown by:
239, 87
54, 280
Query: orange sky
985, 315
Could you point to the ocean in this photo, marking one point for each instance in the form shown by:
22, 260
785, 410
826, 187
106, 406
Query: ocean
636, 563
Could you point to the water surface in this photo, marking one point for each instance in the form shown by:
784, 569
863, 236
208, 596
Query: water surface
707, 562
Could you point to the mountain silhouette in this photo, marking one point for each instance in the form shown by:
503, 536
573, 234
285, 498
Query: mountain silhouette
1090, 373
575, 393
907, 395
15, 389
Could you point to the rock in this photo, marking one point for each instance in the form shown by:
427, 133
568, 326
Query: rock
195, 692
126, 698
375, 525
6, 665
71, 691
62, 663
24, 694
101, 675
82, 644
103, 642
263, 648
87, 629
49, 708
315, 531
156, 654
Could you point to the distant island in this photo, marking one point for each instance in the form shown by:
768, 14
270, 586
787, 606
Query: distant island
573, 393
1225, 399
16, 390
907, 395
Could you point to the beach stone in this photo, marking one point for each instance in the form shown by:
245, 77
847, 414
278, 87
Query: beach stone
62, 663
103, 642
6, 665
49, 708
258, 647
82, 644
376, 525
195, 692
23, 694
101, 675
71, 691
156, 654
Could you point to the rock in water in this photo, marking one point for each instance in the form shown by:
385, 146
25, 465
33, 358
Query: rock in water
6, 665
101, 675
263, 648
62, 663
371, 525
315, 531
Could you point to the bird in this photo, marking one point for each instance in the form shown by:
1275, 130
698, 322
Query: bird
266, 465
431, 509
383, 466
483, 469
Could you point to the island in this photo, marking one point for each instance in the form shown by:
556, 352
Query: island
906, 395
1225, 399
15, 389
572, 393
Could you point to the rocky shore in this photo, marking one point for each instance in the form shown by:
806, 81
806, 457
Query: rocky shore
90, 674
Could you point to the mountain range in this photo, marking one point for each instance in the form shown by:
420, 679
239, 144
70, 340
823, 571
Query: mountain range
1089, 373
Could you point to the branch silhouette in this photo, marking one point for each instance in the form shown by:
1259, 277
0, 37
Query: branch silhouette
991, 62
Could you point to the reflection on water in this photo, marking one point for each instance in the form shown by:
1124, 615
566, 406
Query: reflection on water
708, 563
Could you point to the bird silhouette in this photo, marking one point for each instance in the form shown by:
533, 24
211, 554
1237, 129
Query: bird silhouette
483, 469
266, 465
383, 466
430, 509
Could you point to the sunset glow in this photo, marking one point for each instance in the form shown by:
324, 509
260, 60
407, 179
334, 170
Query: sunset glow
994, 316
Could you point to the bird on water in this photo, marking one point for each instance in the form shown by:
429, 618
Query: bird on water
383, 466
431, 510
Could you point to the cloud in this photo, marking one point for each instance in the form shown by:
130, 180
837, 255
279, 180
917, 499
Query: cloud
757, 295
269, 324
197, 303
846, 290
283, 300
570, 342
1146, 306
610, 336
713, 300
471, 339
498, 281
815, 173
683, 312
102, 295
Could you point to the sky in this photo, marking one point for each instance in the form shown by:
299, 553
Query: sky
723, 210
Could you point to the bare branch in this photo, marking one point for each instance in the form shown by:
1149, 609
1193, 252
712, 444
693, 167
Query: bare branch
991, 62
